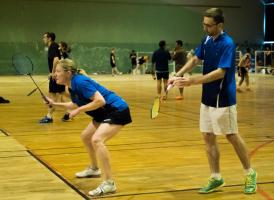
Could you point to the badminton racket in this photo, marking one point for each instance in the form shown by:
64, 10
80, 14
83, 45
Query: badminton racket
35, 89
24, 66
157, 102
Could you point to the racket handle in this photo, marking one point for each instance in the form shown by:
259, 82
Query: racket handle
169, 87
45, 99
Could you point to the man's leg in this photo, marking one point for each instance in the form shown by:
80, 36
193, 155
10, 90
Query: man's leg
240, 149
213, 156
159, 87
212, 151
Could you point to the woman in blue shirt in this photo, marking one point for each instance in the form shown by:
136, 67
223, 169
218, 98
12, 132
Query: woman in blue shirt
109, 111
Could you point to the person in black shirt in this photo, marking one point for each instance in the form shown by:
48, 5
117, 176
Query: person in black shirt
160, 60
114, 69
55, 90
142, 64
64, 50
133, 58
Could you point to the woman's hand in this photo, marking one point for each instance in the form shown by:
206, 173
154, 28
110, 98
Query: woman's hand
48, 101
74, 112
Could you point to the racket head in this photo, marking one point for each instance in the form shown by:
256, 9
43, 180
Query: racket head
155, 108
22, 64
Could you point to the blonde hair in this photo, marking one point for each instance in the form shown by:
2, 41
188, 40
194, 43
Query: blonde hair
69, 65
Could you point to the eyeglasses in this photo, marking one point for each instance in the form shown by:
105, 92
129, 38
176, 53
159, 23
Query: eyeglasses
208, 25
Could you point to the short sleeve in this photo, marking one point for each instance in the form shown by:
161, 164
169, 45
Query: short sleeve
227, 56
87, 89
199, 51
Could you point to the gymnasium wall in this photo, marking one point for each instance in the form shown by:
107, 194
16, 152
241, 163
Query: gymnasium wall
92, 28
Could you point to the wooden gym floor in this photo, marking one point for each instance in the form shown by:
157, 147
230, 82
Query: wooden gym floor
159, 159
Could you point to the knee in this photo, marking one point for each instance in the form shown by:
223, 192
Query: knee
85, 136
231, 137
210, 139
96, 142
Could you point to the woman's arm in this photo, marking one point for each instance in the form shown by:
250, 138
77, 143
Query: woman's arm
97, 102
67, 105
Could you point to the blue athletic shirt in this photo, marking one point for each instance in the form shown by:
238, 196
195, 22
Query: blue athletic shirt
218, 53
83, 88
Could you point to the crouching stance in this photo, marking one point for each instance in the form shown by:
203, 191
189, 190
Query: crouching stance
109, 111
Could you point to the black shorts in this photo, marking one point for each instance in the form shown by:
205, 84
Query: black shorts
162, 75
54, 87
243, 71
111, 115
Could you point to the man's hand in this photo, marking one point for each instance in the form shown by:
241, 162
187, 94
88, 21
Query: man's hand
181, 82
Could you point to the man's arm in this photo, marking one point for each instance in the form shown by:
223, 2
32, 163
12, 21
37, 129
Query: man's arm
207, 78
55, 60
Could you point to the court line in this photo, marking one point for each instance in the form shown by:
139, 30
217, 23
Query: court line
264, 194
58, 175
171, 191
112, 150
252, 153
4, 132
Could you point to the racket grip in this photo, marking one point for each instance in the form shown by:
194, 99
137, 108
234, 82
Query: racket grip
45, 99
169, 87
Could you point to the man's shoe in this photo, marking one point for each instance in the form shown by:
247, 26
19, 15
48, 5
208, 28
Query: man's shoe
46, 120
212, 185
107, 187
251, 183
89, 172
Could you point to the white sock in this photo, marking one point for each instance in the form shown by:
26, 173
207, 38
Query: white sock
49, 116
216, 176
248, 171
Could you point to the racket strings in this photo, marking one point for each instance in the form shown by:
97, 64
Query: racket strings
22, 64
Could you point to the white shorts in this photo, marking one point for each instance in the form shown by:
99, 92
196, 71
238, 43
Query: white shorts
218, 120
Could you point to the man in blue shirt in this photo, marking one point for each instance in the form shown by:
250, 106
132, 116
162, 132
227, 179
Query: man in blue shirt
218, 113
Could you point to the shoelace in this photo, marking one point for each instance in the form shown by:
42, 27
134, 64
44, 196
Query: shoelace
248, 181
209, 182
100, 189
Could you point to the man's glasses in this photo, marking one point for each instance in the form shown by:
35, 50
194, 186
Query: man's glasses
208, 25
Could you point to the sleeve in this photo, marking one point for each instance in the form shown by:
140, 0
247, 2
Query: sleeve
227, 56
87, 88
199, 51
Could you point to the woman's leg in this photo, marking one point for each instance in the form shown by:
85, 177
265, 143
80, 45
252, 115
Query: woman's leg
86, 136
103, 133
